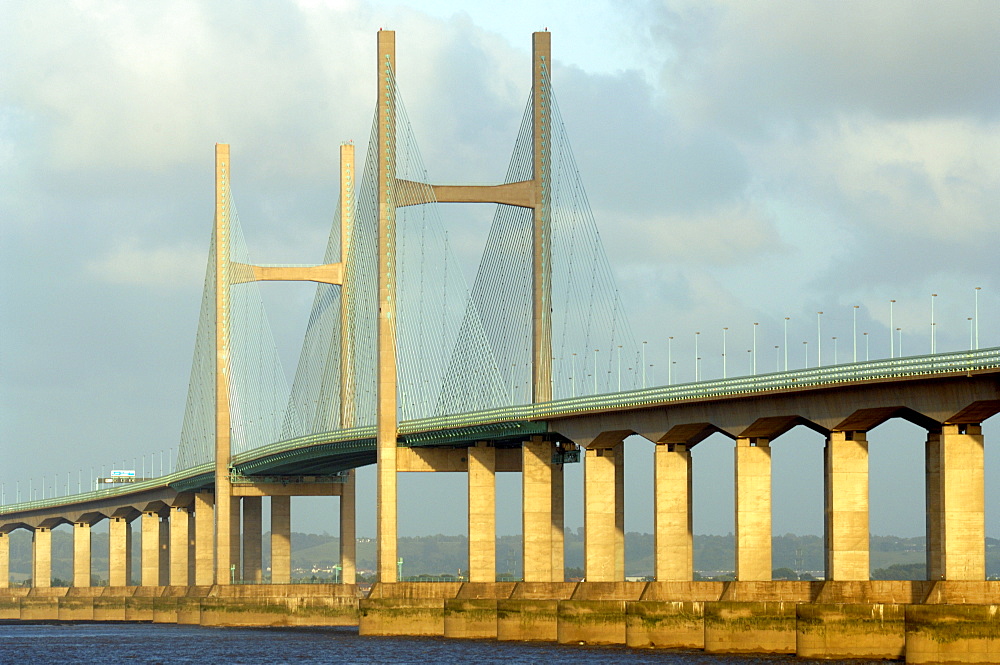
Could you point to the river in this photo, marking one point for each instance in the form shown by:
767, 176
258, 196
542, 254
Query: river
167, 644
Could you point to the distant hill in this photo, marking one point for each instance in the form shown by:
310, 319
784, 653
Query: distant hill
315, 555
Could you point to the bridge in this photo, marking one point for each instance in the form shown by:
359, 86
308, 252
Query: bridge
405, 367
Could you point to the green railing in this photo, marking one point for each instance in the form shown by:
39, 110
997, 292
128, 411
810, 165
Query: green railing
358, 438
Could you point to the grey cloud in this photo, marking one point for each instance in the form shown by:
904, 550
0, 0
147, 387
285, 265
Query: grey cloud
763, 65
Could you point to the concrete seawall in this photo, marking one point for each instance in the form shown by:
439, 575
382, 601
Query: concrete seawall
257, 605
921, 622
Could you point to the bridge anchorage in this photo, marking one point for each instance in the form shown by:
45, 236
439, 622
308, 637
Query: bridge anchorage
405, 367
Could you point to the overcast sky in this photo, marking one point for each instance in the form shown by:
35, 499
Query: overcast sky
745, 162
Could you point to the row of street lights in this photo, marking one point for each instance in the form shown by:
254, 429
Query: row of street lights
895, 341
41, 493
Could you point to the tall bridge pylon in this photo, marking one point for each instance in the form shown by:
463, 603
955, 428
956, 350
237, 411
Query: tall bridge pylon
394, 193
229, 274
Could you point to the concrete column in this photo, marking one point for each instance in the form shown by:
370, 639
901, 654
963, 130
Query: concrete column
599, 545
482, 513
963, 502
620, 511
4, 560
558, 524
191, 547
348, 531
672, 524
846, 511
150, 549
129, 559
252, 539
81, 554
753, 509
179, 545
119, 551
204, 539
281, 539
536, 510
41, 558
235, 564
164, 551
932, 494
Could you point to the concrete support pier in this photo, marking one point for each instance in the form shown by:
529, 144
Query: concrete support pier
537, 514
204, 539
846, 513
673, 527
4, 560
253, 565
179, 550
753, 509
482, 513
81, 554
281, 539
41, 558
348, 530
150, 558
119, 551
962, 503
602, 505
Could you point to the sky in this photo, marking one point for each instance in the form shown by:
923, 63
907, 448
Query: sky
745, 162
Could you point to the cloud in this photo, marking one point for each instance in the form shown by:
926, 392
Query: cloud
765, 64
129, 264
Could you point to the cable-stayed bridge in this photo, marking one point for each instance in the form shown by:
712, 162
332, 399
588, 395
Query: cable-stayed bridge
406, 366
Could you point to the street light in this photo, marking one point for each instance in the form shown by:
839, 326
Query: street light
696, 373
777, 359
854, 335
595, 370
724, 372
805, 349
892, 348
786, 342
670, 360
572, 376
900, 344
866, 346
933, 336
970, 332
834, 350
643, 364
753, 356
619, 368
978, 289
819, 339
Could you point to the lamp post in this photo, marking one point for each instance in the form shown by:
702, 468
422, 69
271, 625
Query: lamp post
835, 350
753, 356
697, 376
892, 348
900, 344
866, 346
805, 354
670, 361
751, 363
619, 368
819, 339
854, 335
786, 342
572, 375
643, 364
595, 370
978, 289
724, 372
777, 358
971, 340
933, 336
